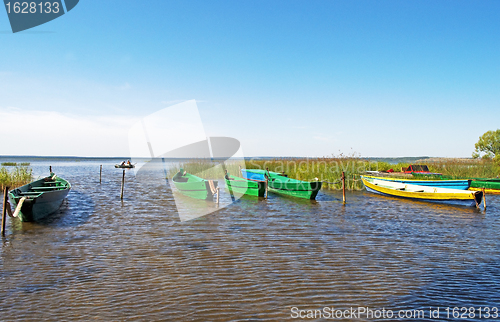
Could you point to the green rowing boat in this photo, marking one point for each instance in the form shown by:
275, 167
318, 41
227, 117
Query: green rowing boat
281, 184
242, 186
40, 198
193, 186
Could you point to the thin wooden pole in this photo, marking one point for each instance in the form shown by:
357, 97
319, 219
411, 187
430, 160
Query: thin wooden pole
484, 198
267, 186
123, 184
343, 187
218, 193
5, 196
100, 173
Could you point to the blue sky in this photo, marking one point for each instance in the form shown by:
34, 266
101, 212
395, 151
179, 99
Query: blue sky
286, 78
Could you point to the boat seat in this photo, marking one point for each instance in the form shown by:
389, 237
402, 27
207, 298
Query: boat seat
48, 188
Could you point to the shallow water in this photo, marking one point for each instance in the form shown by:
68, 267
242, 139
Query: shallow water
100, 258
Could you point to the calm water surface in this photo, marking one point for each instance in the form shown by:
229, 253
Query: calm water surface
103, 259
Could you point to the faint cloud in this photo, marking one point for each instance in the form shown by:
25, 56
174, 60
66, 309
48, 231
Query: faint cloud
96, 135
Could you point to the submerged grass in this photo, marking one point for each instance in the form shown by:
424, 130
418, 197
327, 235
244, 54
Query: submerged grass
18, 176
329, 169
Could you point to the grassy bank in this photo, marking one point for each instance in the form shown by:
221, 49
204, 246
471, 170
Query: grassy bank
329, 170
13, 164
16, 177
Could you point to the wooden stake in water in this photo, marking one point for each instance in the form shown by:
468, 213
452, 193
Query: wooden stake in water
484, 198
343, 187
218, 193
100, 173
123, 184
5, 195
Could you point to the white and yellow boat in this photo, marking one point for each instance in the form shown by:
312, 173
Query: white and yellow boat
423, 193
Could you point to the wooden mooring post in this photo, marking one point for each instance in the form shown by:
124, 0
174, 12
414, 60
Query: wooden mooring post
100, 173
343, 187
123, 184
4, 211
218, 193
484, 198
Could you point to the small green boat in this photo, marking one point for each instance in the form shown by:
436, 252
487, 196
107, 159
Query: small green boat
490, 185
193, 186
280, 183
242, 186
40, 198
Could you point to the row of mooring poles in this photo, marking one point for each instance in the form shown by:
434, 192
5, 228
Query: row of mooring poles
123, 181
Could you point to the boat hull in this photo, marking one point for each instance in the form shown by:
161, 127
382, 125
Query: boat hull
37, 207
424, 193
193, 186
492, 184
450, 184
124, 166
196, 190
241, 186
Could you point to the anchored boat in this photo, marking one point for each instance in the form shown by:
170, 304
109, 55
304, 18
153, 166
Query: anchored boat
423, 193
242, 186
280, 183
450, 184
40, 198
193, 186
124, 166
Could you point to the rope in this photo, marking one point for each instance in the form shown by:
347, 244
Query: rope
18, 208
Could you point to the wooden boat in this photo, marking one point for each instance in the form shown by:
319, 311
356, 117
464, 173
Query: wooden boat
124, 166
40, 198
423, 193
280, 183
451, 184
193, 186
242, 186
489, 185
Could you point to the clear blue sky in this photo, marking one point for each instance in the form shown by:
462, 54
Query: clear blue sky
286, 78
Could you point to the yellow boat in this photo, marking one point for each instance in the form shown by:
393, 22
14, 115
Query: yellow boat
423, 193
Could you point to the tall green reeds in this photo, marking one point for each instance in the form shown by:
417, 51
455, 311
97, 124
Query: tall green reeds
329, 169
18, 176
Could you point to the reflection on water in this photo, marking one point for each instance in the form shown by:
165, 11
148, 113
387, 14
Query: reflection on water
105, 259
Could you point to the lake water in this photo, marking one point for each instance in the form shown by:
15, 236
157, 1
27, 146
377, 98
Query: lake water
100, 258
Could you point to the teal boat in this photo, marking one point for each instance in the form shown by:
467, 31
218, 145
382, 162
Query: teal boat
242, 186
281, 184
38, 199
193, 186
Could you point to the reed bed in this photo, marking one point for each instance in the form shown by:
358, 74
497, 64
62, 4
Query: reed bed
208, 169
18, 176
329, 169
459, 168
14, 164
